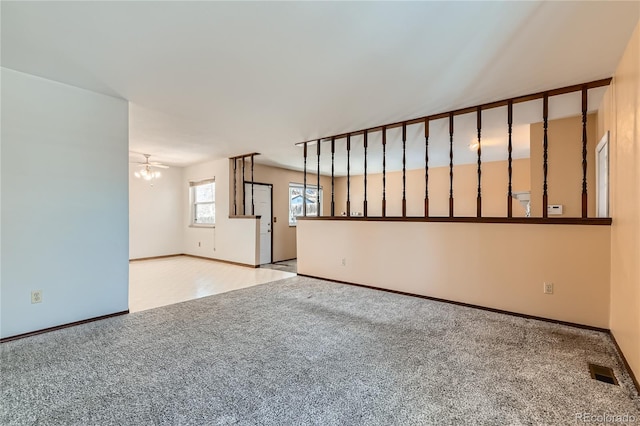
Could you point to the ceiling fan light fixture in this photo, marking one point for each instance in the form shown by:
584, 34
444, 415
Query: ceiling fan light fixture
146, 172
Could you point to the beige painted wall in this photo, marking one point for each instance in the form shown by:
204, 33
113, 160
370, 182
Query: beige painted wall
501, 266
284, 236
465, 190
620, 114
233, 240
564, 178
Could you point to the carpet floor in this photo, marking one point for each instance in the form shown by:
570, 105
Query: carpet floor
304, 351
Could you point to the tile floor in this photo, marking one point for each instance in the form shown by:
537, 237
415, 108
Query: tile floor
160, 282
285, 265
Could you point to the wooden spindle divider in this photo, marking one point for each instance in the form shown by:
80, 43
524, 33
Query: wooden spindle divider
364, 204
404, 170
236, 189
348, 175
304, 183
479, 199
384, 172
584, 152
333, 154
252, 192
450, 164
426, 167
318, 210
509, 167
545, 154
583, 88
235, 186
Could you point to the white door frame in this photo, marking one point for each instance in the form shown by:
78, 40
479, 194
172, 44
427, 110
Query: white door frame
603, 145
247, 190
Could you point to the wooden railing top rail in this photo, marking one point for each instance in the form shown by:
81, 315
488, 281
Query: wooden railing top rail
521, 220
467, 110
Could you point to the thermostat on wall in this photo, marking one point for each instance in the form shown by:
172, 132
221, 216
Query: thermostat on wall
555, 209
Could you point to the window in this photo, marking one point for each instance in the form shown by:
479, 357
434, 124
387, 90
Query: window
203, 202
295, 201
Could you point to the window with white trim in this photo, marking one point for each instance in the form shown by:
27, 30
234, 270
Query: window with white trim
203, 202
296, 198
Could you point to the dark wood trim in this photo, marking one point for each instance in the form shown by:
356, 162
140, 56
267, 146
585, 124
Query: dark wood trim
253, 211
450, 164
230, 262
426, 167
404, 170
304, 184
364, 204
244, 203
248, 216
490, 105
604, 221
384, 171
479, 198
333, 156
259, 183
624, 361
466, 305
348, 175
318, 206
510, 150
138, 259
545, 154
235, 186
243, 156
62, 326
584, 152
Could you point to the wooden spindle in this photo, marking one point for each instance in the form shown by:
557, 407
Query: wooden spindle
348, 175
545, 154
252, 193
584, 152
304, 183
510, 150
479, 199
384, 171
333, 153
404, 169
318, 210
235, 186
244, 201
426, 167
364, 205
451, 164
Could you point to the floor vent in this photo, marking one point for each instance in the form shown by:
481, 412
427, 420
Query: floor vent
603, 374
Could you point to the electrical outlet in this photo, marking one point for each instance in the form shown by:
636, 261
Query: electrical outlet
548, 288
344, 261
36, 296
199, 244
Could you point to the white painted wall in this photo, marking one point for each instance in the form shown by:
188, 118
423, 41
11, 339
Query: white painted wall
64, 203
234, 240
501, 266
155, 214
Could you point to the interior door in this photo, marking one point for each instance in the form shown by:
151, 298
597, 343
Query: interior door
262, 207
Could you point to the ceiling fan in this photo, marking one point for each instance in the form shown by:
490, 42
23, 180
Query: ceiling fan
145, 171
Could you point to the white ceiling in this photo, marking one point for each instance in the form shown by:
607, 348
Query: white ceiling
218, 79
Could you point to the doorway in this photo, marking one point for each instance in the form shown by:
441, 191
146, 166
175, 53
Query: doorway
262, 203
